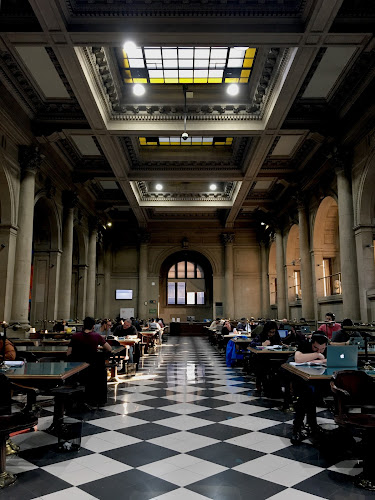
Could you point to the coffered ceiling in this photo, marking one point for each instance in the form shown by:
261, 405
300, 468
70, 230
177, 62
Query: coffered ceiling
304, 68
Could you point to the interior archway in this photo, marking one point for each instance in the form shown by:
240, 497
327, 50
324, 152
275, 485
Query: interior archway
193, 286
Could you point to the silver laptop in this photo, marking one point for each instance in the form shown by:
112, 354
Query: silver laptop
342, 356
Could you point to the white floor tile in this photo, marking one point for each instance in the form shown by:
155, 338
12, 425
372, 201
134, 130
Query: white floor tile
349, 467
292, 474
117, 422
235, 398
290, 494
186, 408
251, 423
159, 468
181, 494
126, 407
181, 477
71, 493
205, 468
183, 422
241, 408
261, 466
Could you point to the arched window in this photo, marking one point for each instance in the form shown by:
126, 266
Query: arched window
185, 285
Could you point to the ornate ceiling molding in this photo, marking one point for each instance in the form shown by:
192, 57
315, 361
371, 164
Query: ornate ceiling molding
187, 8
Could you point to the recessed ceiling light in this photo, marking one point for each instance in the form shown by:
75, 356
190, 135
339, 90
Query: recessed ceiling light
139, 89
233, 89
109, 224
129, 46
262, 223
159, 187
213, 187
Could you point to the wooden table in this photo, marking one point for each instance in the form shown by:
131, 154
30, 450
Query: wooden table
265, 351
316, 373
38, 373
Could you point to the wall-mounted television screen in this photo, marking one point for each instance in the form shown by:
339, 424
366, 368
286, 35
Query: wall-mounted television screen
124, 294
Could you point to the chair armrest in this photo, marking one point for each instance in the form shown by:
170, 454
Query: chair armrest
31, 393
339, 390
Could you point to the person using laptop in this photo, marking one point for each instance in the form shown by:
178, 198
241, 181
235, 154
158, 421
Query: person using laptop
342, 337
330, 325
313, 350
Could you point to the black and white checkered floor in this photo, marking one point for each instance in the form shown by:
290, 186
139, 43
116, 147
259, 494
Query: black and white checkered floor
187, 428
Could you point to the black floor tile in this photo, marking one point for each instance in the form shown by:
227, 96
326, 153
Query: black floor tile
89, 429
208, 393
47, 455
148, 431
282, 430
160, 393
153, 414
140, 454
274, 414
32, 484
211, 403
91, 414
215, 415
333, 485
157, 402
307, 454
226, 454
129, 485
220, 431
233, 485
266, 403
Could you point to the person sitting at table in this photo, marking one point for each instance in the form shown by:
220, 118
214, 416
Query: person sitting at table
313, 350
10, 351
268, 336
215, 324
228, 329
330, 325
105, 327
59, 326
84, 347
342, 337
293, 337
124, 330
242, 325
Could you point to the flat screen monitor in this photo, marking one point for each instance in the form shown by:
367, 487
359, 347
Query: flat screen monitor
124, 294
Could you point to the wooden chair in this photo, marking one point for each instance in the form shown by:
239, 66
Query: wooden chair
12, 422
356, 389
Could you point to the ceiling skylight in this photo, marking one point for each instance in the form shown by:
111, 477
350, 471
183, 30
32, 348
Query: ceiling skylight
186, 64
190, 141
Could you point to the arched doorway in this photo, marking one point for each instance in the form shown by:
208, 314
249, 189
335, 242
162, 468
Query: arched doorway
45, 264
327, 266
186, 287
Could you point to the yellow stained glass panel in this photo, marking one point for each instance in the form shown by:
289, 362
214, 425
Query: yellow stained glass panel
128, 80
247, 63
219, 143
140, 80
185, 80
215, 80
200, 80
245, 73
231, 80
126, 63
250, 53
171, 80
156, 80
244, 80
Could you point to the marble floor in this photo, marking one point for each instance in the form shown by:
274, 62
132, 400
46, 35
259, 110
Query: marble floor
187, 428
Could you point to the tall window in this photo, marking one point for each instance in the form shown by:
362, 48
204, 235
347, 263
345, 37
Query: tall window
297, 283
186, 284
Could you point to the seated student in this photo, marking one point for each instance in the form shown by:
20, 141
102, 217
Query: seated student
293, 337
314, 350
228, 329
242, 325
10, 351
329, 326
59, 326
83, 347
216, 323
262, 367
342, 336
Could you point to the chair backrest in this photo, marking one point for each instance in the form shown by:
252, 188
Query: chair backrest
352, 388
5, 400
113, 342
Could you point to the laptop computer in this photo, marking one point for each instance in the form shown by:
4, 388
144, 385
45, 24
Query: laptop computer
305, 329
342, 356
283, 333
358, 341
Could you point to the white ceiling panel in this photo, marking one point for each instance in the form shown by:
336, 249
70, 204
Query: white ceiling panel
286, 145
43, 71
109, 184
86, 145
262, 185
329, 69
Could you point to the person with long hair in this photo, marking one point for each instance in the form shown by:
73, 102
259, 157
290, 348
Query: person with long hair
268, 336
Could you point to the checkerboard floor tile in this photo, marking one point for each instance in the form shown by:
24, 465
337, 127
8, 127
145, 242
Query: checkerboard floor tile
186, 427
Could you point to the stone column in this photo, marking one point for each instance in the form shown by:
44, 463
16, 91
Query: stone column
8, 241
142, 275
366, 268
82, 291
264, 281
280, 273
306, 269
228, 239
65, 285
348, 257
91, 271
30, 160
107, 283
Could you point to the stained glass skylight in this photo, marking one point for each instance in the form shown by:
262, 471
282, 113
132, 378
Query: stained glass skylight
191, 141
187, 64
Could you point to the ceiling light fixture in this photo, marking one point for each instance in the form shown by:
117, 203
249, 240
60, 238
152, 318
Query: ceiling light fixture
262, 223
185, 135
138, 89
109, 224
233, 89
213, 187
129, 46
159, 187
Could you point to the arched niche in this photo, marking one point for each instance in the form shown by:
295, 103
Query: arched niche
272, 273
45, 263
200, 312
293, 264
326, 248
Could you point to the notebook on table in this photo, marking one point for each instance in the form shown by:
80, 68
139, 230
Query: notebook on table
342, 356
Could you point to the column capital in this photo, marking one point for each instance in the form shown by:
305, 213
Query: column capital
227, 238
69, 199
341, 158
30, 158
144, 237
301, 201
